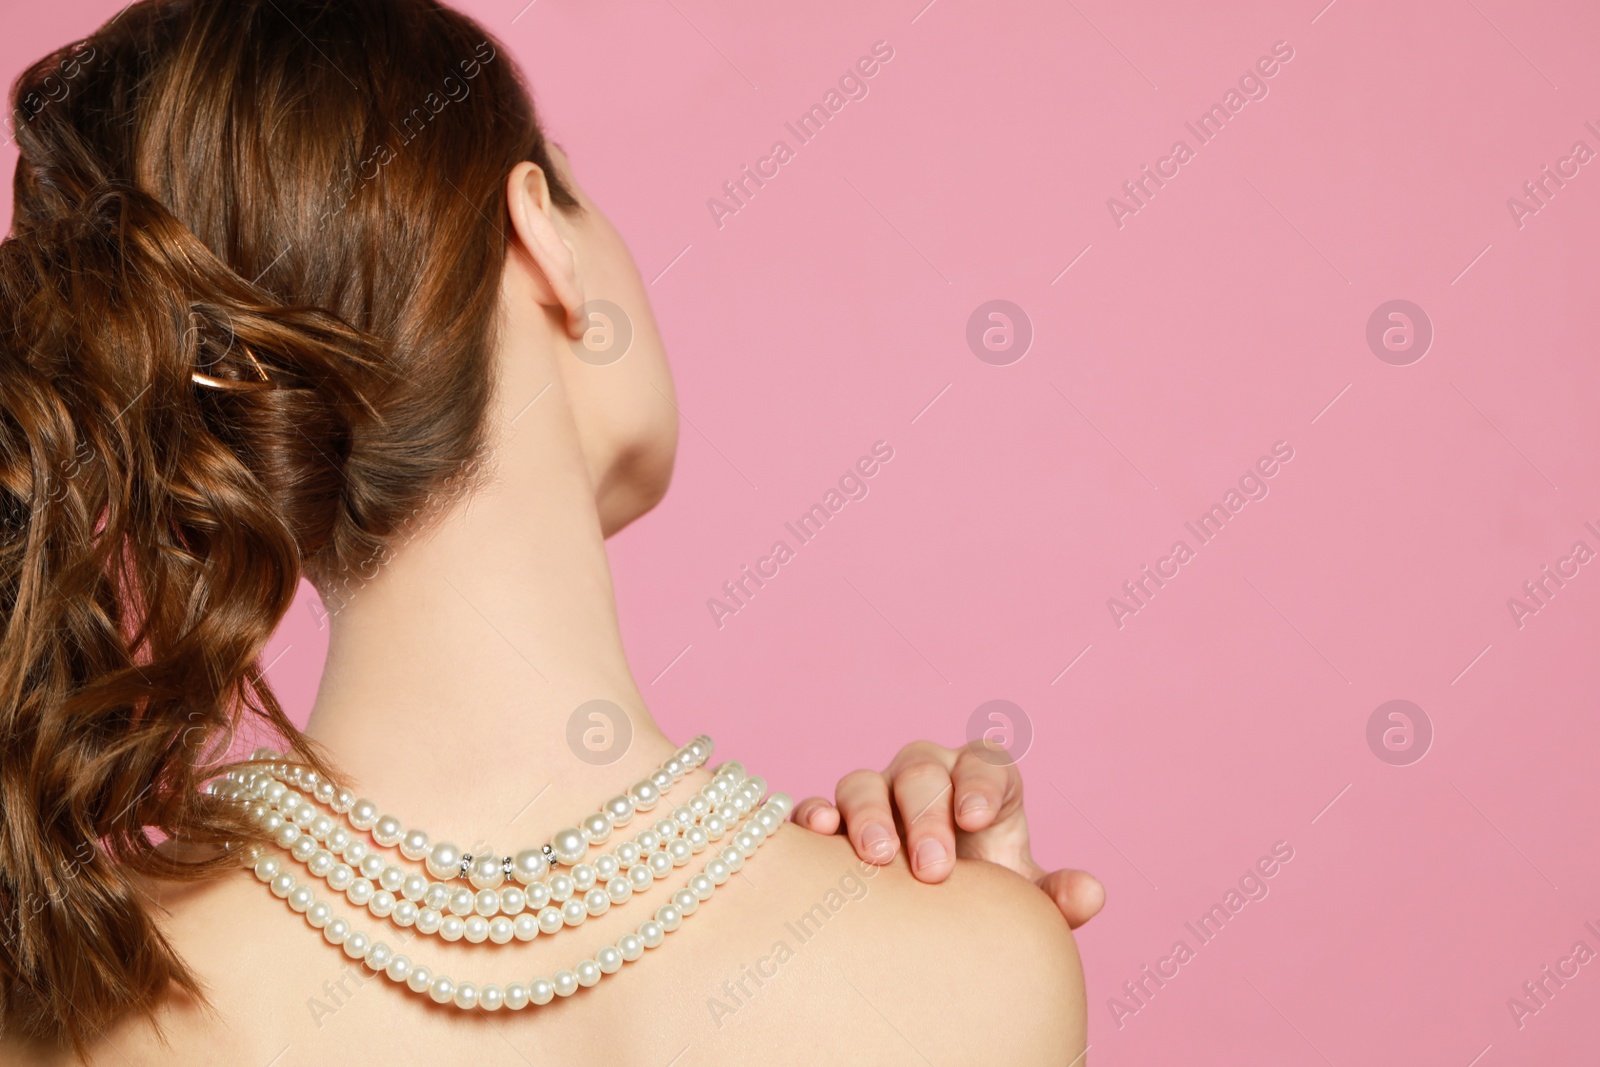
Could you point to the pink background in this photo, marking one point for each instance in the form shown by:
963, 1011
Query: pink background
1225, 316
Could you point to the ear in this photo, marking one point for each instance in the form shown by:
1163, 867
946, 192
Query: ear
541, 246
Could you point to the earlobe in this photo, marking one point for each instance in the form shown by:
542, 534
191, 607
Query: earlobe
537, 233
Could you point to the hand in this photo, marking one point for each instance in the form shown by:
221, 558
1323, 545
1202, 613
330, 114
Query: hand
951, 802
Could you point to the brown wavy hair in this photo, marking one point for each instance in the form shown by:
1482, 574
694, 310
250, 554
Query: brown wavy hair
247, 319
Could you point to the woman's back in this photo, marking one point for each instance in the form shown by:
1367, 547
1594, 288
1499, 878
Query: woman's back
808, 956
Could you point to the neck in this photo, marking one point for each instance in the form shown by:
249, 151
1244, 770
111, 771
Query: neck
454, 673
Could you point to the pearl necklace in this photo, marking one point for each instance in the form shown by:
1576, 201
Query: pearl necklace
750, 822
446, 861
369, 881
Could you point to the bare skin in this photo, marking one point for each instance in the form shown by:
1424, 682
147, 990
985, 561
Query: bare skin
451, 679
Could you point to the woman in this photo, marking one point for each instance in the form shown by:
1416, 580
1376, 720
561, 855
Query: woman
298, 287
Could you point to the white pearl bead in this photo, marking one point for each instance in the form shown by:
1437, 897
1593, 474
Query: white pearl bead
669, 917
744, 843
652, 933
405, 913
443, 991
702, 886
597, 901
466, 997
437, 896
561, 888
648, 841
319, 914
320, 863
566, 983
680, 852
451, 927
414, 845
606, 868
674, 767
516, 996
644, 795
413, 886
343, 801
477, 929
326, 792
596, 827
631, 946
340, 877
512, 900
300, 898
573, 912
267, 868
697, 838
588, 973
304, 816
609, 959
421, 980
666, 830
444, 861
501, 930
381, 903
463, 901
336, 931
620, 808
378, 956
360, 891
486, 871
550, 920
340, 841
685, 901
732, 857
372, 865
640, 876
583, 877
321, 826
391, 878
663, 781
429, 921
569, 845
363, 814
627, 853
541, 991
272, 822
356, 945
526, 926
387, 830
660, 864
490, 998
529, 865
538, 896
768, 820
619, 890
282, 884
399, 968
486, 902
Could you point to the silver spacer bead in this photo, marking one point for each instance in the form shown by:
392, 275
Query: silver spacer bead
507, 866
466, 863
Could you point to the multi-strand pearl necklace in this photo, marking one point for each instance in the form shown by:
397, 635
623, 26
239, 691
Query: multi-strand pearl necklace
297, 824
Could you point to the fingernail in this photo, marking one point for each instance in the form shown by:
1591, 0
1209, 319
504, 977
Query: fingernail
876, 840
931, 853
973, 804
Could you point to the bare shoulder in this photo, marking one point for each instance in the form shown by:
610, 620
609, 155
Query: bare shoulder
981, 968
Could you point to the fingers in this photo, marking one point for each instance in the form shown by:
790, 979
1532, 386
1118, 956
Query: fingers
922, 793
1078, 894
863, 801
984, 789
817, 815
